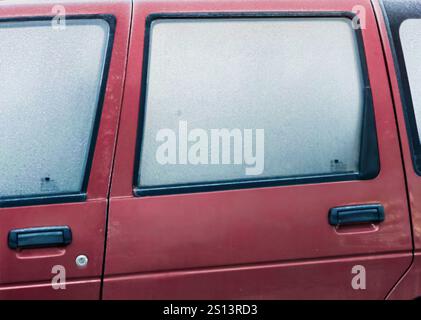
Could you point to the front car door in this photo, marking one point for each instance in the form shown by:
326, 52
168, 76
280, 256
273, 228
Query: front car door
61, 79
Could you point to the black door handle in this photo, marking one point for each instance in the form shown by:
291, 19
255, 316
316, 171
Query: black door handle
41, 237
368, 213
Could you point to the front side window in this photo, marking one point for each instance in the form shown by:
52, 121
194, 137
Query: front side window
50, 81
238, 100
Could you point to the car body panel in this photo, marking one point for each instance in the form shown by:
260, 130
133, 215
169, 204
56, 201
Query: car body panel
182, 238
409, 287
28, 273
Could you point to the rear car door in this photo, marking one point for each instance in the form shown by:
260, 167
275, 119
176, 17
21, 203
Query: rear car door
257, 155
61, 79
400, 25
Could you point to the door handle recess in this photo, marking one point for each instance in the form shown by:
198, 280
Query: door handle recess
368, 213
40, 237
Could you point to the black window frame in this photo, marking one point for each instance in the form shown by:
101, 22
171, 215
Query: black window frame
369, 153
395, 13
80, 196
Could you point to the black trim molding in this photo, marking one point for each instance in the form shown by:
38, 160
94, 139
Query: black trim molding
369, 156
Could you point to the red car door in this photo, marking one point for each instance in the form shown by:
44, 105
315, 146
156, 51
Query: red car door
399, 24
305, 85
62, 70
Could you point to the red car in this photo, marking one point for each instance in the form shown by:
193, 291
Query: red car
201, 149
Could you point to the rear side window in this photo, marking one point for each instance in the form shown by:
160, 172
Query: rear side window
50, 90
410, 34
403, 19
232, 102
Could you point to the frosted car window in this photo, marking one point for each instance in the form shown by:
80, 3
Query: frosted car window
410, 35
298, 79
49, 91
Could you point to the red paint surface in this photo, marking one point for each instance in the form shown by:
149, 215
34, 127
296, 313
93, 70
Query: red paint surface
18, 270
152, 237
269, 281
409, 287
80, 290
